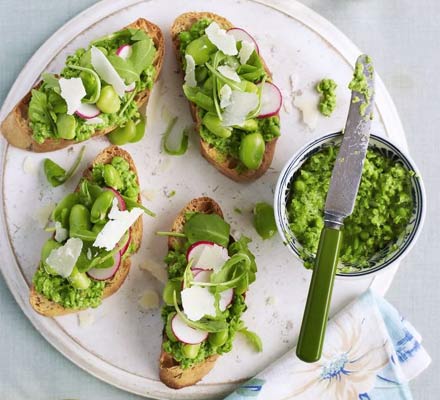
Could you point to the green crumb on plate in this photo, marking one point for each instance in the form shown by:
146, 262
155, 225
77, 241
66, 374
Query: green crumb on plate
327, 102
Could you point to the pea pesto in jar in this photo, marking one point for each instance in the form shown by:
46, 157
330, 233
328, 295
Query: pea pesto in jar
383, 208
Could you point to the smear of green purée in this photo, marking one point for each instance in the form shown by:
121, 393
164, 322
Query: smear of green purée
359, 84
327, 102
383, 206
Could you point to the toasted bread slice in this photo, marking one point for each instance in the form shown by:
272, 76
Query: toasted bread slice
15, 128
226, 165
48, 308
170, 371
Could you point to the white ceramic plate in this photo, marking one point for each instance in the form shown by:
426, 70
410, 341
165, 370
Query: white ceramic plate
122, 345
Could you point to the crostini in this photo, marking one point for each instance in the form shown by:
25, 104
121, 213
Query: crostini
96, 230
204, 299
233, 100
100, 88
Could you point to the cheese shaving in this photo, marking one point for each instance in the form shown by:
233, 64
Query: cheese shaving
225, 96
72, 91
85, 318
190, 71
63, 259
219, 38
119, 222
229, 73
106, 71
197, 302
246, 51
242, 103
306, 103
61, 233
157, 270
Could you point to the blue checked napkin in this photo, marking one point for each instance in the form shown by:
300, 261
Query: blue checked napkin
370, 353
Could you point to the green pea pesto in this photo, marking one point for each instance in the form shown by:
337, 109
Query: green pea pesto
176, 266
197, 30
327, 102
382, 211
47, 107
359, 84
74, 213
268, 127
60, 291
129, 186
227, 140
235, 324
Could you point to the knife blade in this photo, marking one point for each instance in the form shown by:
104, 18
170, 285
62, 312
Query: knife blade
347, 171
340, 200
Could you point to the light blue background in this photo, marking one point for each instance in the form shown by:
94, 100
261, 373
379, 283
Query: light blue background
403, 38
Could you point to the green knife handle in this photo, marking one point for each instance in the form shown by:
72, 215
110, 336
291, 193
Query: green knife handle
315, 317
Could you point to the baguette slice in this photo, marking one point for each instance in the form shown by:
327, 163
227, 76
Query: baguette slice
15, 128
48, 308
226, 165
170, 371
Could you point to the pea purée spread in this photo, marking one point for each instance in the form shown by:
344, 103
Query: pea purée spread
382, 211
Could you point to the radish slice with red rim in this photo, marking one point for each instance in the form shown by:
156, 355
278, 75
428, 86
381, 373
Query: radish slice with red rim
102, 274
125, 246
195, 272
195, 250
124, 51
87, 111
271, 100
121, 202
240, 34
226, 298
185, 333
202, 275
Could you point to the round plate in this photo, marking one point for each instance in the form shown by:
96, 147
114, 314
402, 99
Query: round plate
122, 346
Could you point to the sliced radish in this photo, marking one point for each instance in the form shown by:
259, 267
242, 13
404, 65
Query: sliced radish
121, 202
195, 272
130, 87
124, 51
72, 91
271, 100
87, 111
195, 250
240, 34
207, 255
185, 333
202, 275
102, 274
125, 246
226, 299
